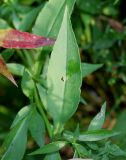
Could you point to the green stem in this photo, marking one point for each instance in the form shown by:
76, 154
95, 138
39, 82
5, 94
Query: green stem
39, 105
20, 53
29, 58
39, 64
58, 129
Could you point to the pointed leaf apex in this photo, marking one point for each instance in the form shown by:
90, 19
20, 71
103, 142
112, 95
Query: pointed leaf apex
5, 72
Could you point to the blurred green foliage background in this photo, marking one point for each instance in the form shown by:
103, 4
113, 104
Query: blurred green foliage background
100, 31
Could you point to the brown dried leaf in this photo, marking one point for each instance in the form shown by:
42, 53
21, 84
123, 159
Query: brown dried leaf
5, 72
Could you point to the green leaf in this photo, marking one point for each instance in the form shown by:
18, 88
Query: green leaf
42, 93
7, 54
15, 144
29, 19
82, 100
21, 115
113, 149
89, 68
3, 24
49, 20
37, 127
96, 135
116, 1
27, 84
98, 120
81, 150
92, 6
70, 136
88, 136
16, 69
64, 74
15, 20
77, 131
49, 148
93, 146
53, 156
119, 127
107, 40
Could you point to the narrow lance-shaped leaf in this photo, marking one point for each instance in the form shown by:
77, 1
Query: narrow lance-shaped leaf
26, 24
11, 38
16, 68
5, 72
98, 120
89, 68
96, 135
37, 127
50, 148
21, 115
64, 74
49, 25
16, 142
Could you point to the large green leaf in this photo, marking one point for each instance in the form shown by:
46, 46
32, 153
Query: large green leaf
16, 141
89, 68
64, 74
49, 20
37, 127
98, 120
49, 148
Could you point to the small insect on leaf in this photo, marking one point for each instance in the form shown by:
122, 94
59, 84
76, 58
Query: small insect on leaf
5, 72
12, 38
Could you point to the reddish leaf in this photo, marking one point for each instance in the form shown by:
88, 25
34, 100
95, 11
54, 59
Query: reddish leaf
16, 39
5, 72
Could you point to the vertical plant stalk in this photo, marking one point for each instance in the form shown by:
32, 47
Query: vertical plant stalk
23, 57
39, 105
39, 64
58, 128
